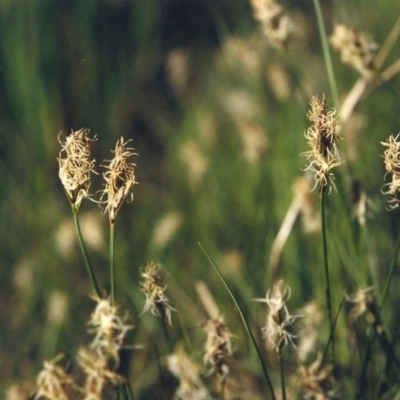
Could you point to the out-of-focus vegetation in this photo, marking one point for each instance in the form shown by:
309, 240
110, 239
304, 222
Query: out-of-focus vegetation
217, 117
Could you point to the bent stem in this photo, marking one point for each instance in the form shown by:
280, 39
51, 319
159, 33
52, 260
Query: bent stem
112, 266
246, 325
82, 246
326, 268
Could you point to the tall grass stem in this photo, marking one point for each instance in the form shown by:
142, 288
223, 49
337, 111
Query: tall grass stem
326, 53
391, 271
85, 255
112, 264
326, 269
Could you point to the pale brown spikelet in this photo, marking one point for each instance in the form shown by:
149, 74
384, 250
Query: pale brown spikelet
364, 305
75, 166
218, 347
24, 391
322, 138
98, 375
317, 381
277, 26
57, 308
308, 209
392, 163
279, 321
165, 230
154, 289
197, 164
53, 382
119, 179
188, 373
255, 143
363, 206
309, 331
110, 328
356, 48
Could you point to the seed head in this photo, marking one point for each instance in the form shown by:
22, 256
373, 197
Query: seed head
278, 317
392, 164
218, 347
277, 26
190, 383
98, 374
53, 382
322, 138
119, 178
317, 382
356, 49
156, 300
75, 166
110, 329
363, 305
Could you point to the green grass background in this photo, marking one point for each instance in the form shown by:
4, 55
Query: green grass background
105, 65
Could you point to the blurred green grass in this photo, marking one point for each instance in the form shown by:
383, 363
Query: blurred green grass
186, 81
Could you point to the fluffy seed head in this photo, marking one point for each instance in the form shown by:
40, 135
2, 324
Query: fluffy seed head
278, 317
190, 383
392, 163
119, 179
110, 329
356, 49
277, 26
154, 289
75, 166
218, 347
53, 382
322, 138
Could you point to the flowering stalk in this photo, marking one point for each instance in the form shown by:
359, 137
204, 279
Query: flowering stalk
392, 190
75, 168
119, 181
322, 138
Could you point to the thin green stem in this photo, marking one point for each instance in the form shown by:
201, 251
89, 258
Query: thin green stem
112, 266
326, 269
128, 391
246, 325
327, 53
390, 276
82, 246
283, 388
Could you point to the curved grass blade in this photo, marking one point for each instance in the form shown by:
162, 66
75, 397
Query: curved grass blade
246, 325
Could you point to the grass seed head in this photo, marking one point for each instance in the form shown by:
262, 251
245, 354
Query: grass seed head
110, 329
188, 373
392, 163
119, 179
277, 26
154, 289
53, 382
356, 49
218, 347
322, 138
75, 166
279, 320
